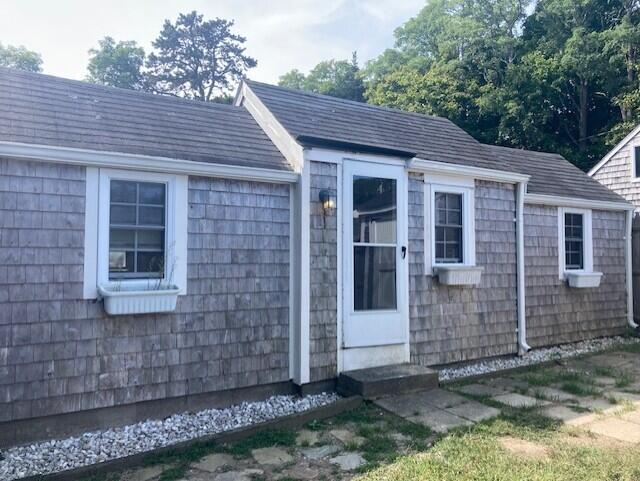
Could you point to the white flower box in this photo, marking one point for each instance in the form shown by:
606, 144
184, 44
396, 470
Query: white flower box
583, 280
458, 275
123, 299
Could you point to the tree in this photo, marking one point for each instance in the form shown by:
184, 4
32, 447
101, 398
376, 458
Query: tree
197, 59
338, 78
117, 64
20, 58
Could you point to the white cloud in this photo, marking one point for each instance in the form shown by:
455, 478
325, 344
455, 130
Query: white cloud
281, 34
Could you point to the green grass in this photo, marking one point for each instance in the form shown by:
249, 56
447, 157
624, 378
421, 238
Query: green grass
264, 439
477, 454
623, 379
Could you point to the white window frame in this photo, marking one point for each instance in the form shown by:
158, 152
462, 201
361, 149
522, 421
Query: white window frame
587, 241
450, 185
96, 261
634, 160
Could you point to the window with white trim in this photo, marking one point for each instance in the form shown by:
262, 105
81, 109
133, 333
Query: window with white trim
575, 242
449, 222
136, 232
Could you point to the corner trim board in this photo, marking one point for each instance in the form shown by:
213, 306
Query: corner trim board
117, 160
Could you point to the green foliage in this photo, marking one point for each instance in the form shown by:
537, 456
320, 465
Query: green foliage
559, 75
197, 59
20, 58
338, 78
117, 64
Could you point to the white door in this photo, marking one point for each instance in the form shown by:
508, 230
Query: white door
375, 263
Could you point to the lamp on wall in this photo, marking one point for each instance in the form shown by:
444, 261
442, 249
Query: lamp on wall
328, 201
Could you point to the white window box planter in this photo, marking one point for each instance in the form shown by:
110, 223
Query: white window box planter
582, 280
122, 299
458, 275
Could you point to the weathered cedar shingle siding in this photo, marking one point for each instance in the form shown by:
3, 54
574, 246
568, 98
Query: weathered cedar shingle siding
451, 324
557, 313
616, 174
324, 277
59, 353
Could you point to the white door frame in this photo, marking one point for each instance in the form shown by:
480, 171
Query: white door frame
388, 342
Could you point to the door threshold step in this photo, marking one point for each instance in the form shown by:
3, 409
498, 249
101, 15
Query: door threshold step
375, 382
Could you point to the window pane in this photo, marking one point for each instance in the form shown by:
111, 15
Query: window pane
123, 214
151, 239
449, 228
374, 210
151, 262
123, 191
374, 278
122, 238
151, 216
573, 241
637, 166
152, 193
121, 261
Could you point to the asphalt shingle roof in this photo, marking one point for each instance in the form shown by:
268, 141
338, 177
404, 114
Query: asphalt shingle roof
46, 110
311, 117
552, 174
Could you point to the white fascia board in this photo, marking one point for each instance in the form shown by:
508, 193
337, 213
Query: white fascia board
559, 201
614, 151
117, 160
430, 166
286, 144
338, 156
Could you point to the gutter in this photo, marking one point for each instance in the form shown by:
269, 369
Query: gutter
629, 268
523, 347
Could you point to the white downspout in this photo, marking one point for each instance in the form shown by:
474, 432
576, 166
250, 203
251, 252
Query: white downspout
523, 347
629, 268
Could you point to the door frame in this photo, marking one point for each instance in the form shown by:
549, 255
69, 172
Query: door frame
367, 354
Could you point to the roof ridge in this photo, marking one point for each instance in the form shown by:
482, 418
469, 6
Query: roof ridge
108, 88
542, 152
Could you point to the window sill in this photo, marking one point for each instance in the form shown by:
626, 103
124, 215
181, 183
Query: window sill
455, 275
583, 280
132, 299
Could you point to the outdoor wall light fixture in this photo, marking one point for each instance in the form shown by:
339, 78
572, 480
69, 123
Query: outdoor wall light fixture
328, 200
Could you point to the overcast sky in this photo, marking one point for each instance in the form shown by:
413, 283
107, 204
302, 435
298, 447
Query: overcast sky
281, 34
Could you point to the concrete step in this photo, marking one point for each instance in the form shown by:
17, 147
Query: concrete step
381, 381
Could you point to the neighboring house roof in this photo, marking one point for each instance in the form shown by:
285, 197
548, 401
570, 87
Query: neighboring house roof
628, 138
45, 110
552, 174
321, 120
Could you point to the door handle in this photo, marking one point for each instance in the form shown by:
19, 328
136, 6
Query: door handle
404, 251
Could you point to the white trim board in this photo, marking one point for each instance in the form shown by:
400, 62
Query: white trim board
432, 167
556, 200
145, 163
615, 150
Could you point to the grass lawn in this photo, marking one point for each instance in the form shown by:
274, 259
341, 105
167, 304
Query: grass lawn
519, 445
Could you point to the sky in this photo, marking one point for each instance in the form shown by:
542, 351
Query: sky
281, 34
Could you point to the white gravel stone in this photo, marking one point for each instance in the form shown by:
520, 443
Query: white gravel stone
95, 447
534, 356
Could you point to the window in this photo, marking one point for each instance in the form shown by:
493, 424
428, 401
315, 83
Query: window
636, 161
136, 230
448, 228
575, 243
137, 225
449, 222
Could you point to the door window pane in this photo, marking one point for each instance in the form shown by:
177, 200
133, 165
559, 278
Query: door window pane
573, 241
448, 228
137, 229
374, 278
374, 210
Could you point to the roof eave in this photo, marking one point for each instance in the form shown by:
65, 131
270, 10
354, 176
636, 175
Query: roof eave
429, 166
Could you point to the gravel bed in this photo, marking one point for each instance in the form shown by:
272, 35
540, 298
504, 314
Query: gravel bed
534, 356
95, 447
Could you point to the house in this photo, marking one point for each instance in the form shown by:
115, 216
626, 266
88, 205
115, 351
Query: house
160, 254
619, 170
